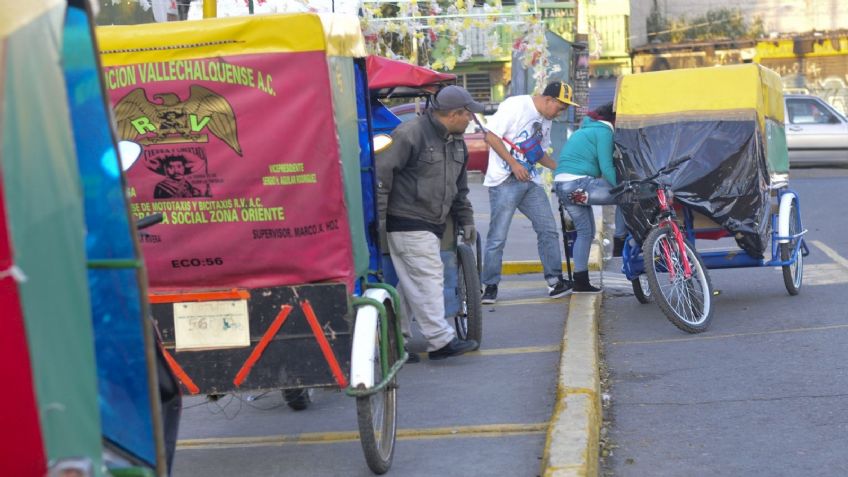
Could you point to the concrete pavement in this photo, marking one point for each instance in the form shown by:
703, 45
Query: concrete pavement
571, 446
762, 392
525, 404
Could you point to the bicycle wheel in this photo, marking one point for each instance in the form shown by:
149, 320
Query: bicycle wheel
478, 247
469, 321
642, 289
377, 414
793, 274
297, 399
685, 302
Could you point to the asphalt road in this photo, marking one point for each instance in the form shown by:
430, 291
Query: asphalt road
764, 391
482, 414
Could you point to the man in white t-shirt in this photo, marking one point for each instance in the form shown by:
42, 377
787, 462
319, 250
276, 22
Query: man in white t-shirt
519, 135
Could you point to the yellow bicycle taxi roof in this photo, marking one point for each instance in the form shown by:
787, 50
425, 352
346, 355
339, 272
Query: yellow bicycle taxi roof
710, 93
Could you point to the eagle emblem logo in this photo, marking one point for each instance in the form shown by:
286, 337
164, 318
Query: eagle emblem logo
170, 120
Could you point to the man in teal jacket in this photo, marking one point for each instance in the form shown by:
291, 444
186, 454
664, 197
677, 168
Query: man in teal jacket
583, 177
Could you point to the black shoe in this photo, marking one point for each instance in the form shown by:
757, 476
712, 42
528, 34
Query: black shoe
560, 289
490, 296
412, 358
617, 246
582, 285
455, 348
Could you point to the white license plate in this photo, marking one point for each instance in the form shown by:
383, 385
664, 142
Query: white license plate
211, 325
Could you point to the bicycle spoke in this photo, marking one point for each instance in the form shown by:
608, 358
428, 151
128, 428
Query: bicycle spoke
685, 295
688, 306
696, 290
683, 305
698, 296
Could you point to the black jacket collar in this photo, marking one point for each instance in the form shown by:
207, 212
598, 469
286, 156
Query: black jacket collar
440, 128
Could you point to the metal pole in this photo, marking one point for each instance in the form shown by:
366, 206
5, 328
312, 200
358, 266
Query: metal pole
210, 8
566, 241
250, 6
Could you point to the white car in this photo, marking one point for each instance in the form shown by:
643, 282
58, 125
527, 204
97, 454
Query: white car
816, 133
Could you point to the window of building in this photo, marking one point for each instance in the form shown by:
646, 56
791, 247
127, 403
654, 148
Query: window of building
478, 84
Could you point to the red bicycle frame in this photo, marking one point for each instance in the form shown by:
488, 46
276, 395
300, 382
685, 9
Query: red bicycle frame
667, 218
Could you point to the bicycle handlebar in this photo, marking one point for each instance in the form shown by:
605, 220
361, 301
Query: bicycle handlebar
152, 219
650, 179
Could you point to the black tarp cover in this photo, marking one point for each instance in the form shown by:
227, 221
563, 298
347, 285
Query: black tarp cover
728, 121
726, 177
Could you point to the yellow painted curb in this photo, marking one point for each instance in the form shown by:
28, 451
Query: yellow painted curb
571, 447
519, 267
573, 438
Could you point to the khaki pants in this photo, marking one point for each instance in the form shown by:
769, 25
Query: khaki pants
421, 281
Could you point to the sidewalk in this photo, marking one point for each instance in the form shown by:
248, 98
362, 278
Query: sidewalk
571, 446
528, 396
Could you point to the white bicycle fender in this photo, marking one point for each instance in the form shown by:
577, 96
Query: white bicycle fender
783, 216
362, 354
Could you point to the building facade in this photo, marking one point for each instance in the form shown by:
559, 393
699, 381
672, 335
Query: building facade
811, 63
780, 17
609, 37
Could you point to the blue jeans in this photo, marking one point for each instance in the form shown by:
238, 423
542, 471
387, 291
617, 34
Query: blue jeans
584, 220
529, 198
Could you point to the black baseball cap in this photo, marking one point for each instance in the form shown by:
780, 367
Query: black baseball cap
456, 97
561, 92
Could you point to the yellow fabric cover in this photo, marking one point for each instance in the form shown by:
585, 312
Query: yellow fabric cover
699, 94
17, 14
171, 41
343, 34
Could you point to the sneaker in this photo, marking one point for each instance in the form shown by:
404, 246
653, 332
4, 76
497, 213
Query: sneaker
455, 348
562, 288
490, 296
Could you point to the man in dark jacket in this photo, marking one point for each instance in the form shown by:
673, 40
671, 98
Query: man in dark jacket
421, 182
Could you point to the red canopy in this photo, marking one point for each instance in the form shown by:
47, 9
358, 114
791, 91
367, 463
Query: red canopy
386, 73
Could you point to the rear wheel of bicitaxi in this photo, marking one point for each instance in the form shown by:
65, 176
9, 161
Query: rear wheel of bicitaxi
642, 289
297, 399
469, 320
793, 274
685, 301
